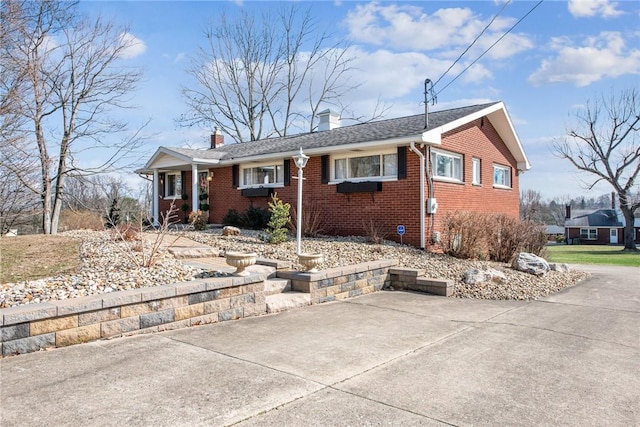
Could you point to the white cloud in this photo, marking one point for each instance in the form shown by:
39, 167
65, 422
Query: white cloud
588, 8
599, 57
448, 30
133, 46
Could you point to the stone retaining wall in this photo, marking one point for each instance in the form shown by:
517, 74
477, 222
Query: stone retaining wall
33, 327
341, 282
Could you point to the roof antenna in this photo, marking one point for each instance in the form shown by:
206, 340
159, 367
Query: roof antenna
428, 90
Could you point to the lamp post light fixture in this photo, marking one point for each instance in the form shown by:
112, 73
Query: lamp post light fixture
301, 161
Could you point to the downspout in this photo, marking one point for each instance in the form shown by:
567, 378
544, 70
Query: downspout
413, 148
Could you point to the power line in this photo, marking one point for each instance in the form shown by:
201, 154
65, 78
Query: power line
474, 41
490, 47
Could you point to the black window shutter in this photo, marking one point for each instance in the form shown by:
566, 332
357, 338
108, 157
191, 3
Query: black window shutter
325, 169
287, 172
402, 162
235, 176
183, 181
162, 178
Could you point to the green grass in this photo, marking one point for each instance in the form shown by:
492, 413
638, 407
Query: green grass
591, 254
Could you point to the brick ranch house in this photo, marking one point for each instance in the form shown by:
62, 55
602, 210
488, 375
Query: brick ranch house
390, 172
601, 227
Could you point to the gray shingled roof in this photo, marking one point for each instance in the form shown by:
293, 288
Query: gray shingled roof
359, 133
599, 218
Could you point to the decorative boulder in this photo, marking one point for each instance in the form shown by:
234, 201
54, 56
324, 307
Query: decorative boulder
530, 263
230, 231
561, 268
474, 276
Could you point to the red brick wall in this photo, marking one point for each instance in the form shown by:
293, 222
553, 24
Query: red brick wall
484, 143
399, 201
165, 204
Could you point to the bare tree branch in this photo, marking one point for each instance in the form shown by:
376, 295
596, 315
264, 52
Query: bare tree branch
605, 144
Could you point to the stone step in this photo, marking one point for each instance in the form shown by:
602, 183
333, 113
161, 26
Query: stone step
182, 252
276, 286
287, 301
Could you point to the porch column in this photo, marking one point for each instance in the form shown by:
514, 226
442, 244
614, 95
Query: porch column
155, 202
194, 187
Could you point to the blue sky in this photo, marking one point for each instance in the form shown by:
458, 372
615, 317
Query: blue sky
557, 58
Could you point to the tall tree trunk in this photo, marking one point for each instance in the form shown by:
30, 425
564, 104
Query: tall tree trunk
629, 230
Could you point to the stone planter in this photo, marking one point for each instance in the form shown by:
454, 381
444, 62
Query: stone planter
310, 262
240, 260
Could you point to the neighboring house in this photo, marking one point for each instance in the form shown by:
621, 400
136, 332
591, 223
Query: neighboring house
602, 227
554, 232
387, 173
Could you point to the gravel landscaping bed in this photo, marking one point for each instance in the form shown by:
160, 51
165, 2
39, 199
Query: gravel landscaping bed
106, 267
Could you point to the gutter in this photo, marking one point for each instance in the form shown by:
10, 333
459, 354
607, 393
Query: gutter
412, 147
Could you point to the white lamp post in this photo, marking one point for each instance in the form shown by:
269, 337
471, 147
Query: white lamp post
301, 161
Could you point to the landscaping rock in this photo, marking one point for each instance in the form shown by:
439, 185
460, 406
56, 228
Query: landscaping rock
474, 276
230, 231
562, 268
530, 263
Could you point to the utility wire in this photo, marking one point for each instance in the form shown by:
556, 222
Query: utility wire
474, 41
490, 47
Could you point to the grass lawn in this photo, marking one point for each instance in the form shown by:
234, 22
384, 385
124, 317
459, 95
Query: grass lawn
591, 254
36, 256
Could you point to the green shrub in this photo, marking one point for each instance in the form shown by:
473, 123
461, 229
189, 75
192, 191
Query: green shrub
233, 218
256, 218
279, 219
112, 218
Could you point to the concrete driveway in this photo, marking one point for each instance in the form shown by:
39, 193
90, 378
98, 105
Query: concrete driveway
389, 358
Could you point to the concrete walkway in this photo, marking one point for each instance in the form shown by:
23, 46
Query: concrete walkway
389, 358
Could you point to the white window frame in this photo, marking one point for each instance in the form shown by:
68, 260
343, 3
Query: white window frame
589, 232
507, 174
176, 195
381, 177
274, 165
476, 171
456, 158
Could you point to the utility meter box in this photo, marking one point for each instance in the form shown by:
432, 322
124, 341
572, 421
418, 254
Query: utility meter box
432, 206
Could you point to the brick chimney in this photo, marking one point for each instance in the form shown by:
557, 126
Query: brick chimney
567, 211
613, 200
217, 139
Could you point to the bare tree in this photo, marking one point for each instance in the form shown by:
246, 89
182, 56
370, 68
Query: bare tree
258, 78
73, 75
605, 144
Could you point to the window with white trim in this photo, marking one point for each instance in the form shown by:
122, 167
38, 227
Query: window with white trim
589, 233
476, 177
363, 168
501, 176
447, 166
173, 185
262, 175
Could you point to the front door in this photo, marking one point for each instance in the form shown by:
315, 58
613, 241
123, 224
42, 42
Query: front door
613, 236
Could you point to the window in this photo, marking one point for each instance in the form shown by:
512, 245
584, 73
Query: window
446, 166
589, 233
265, 175
501, 176
476, 175
173, 185
366, 167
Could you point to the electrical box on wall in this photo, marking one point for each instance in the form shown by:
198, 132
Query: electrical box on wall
432, 206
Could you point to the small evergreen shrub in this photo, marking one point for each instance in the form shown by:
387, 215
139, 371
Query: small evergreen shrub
277, 231
232, 218
256, 218
112, 218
